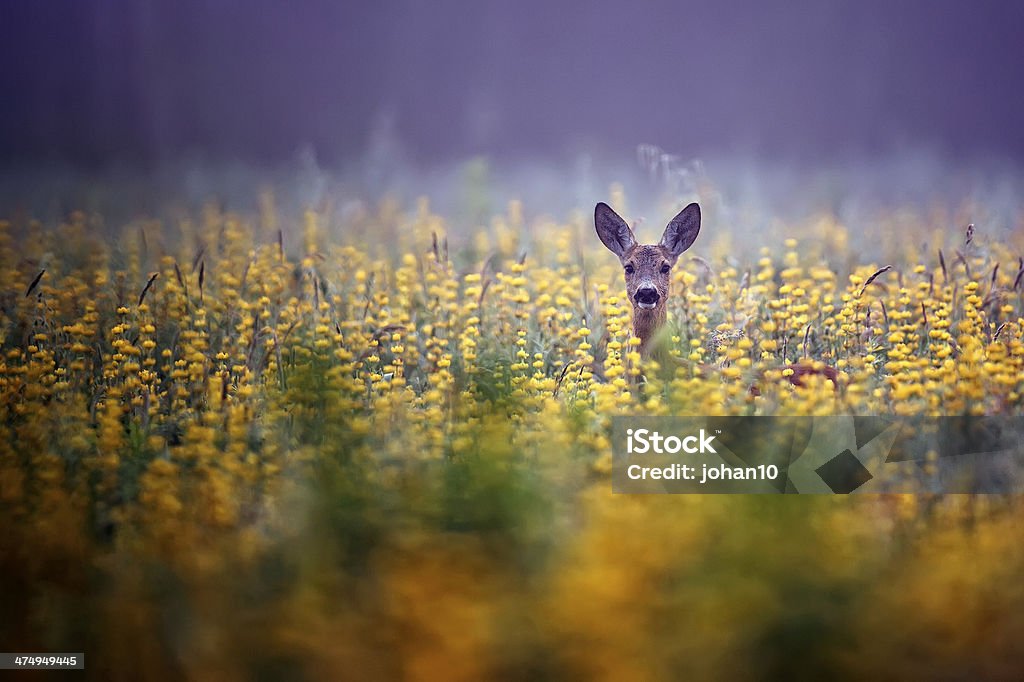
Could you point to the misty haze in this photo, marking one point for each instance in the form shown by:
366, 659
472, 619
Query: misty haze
404, 88
317, 318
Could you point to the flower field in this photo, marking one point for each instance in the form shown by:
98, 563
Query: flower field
371, 444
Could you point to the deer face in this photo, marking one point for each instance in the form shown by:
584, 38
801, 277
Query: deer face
647, 267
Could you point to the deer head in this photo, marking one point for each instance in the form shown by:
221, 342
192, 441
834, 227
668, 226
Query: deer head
647, 267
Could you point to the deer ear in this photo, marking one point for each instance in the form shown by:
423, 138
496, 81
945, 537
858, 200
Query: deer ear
682, 230
613, 230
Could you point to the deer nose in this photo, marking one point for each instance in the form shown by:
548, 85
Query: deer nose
647, 296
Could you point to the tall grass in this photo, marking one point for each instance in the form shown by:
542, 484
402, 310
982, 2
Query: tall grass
261, 446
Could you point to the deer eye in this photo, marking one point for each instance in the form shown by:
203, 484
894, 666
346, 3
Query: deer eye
665, 268
629, 269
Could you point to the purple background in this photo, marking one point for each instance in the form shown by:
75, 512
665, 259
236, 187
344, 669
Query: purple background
98, 81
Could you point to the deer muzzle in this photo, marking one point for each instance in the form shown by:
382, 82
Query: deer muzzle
646, 297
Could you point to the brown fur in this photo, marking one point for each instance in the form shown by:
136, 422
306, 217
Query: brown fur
648, 273
647, 267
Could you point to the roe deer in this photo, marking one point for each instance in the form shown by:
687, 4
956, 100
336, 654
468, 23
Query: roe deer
648, 269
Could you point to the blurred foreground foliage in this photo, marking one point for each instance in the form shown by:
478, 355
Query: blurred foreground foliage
357, 448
